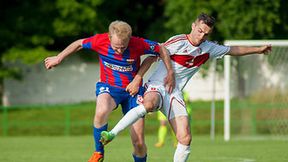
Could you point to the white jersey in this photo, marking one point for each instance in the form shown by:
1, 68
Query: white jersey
187, 59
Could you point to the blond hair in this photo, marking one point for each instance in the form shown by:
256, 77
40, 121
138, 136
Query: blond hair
122, 29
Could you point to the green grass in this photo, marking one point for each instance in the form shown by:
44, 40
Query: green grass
76, 119
247, 118
79, 148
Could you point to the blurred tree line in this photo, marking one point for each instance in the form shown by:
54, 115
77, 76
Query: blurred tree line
33, 29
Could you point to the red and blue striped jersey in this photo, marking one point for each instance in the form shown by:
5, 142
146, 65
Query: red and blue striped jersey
119, 69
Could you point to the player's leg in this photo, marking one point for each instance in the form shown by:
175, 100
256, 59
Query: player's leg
175, 110
180, 126
151, 101
104, 106
138, 141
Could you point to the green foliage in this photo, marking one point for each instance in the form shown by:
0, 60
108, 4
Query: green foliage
32, 30
236, 19
75, 17
26, 56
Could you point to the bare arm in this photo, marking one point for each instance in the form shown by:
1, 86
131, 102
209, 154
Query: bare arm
53, 61
243, 50
133, 87
169, 81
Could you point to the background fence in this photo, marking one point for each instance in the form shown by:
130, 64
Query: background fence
260, 85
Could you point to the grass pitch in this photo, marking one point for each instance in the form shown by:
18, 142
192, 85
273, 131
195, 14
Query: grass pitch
79, 149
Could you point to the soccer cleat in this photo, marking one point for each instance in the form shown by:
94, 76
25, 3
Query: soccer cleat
96, 157
159, 144
106, 137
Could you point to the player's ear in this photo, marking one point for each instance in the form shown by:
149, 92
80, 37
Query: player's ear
193, 25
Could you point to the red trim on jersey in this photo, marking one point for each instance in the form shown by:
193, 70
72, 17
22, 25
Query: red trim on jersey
184, 60
199, 60
176, 39
190, 61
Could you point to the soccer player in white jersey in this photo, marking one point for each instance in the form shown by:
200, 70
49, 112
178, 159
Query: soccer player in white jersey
188, 52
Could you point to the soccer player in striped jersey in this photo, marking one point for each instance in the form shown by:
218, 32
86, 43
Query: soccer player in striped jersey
120, 78
187, 52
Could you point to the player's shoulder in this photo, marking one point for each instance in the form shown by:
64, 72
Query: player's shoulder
141, 42
135, 39
213, 46
180, 38
96, 38
209, 44
102, 36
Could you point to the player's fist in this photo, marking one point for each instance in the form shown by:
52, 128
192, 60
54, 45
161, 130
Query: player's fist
51, 62
266, 49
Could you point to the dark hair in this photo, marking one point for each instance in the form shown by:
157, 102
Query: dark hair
208, 20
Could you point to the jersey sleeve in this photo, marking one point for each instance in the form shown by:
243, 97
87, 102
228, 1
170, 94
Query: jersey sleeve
151, 47
90, 43
218, 51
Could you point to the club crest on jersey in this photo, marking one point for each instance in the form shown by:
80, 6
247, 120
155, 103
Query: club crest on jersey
139, 99
190, 63
152, 47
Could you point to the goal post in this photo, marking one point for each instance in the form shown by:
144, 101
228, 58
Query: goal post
272, 71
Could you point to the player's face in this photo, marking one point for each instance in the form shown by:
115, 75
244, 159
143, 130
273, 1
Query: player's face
200, 32
118, 45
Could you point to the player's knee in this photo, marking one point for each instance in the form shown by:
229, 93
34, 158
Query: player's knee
149, 106
184, 138
139, 146
99, 118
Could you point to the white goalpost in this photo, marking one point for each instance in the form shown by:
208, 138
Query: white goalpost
275, 77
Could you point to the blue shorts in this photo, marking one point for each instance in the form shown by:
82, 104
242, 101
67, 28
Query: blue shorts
120, 96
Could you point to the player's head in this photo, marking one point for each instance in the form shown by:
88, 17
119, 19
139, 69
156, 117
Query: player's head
119, 34
201, 28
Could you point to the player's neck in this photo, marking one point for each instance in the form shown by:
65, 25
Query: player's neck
190, 38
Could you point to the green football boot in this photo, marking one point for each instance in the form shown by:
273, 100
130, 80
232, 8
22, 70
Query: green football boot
106, 137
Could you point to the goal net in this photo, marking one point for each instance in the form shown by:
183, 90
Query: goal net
257, 91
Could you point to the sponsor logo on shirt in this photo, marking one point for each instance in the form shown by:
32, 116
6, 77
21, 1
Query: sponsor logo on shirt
130, 61
118, 67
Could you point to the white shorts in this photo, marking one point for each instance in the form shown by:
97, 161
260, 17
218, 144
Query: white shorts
171, 105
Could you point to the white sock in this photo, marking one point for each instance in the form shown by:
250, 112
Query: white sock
129, 118
181, 153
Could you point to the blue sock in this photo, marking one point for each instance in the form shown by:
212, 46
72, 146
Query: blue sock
97, 135
140, 159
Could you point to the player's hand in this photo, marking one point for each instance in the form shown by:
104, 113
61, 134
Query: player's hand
266, 49
51, 62
133, 87
169, 82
